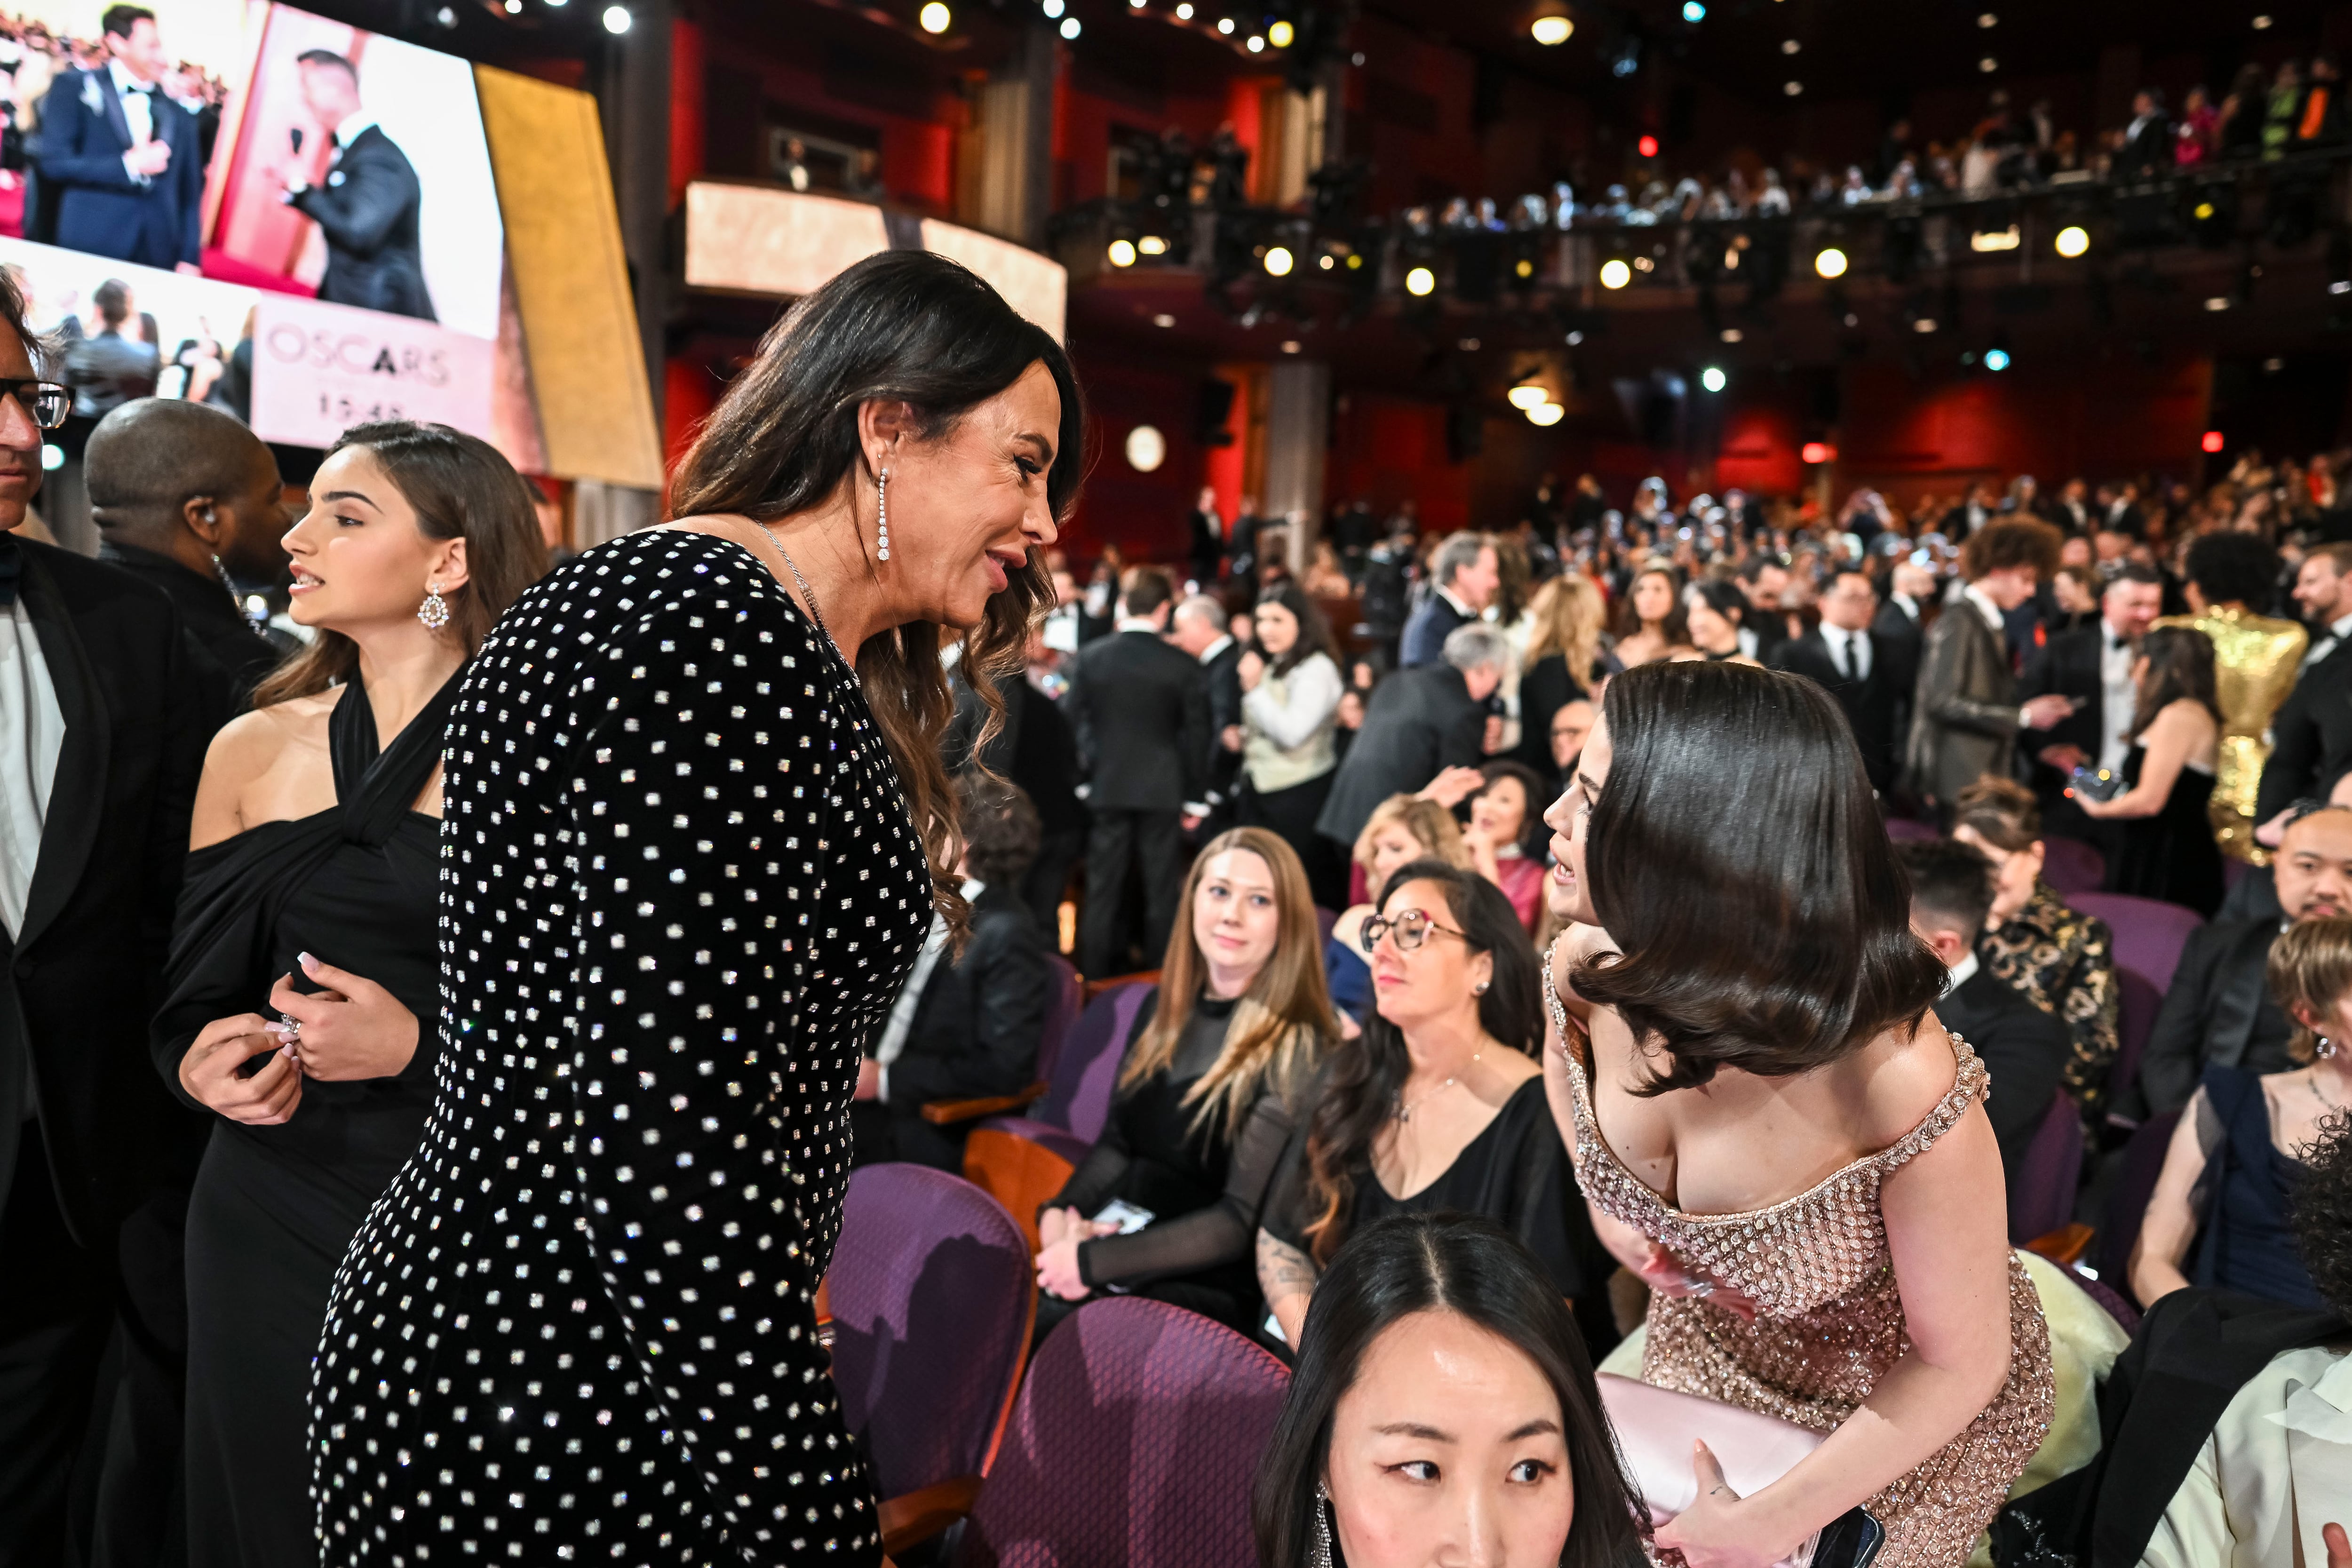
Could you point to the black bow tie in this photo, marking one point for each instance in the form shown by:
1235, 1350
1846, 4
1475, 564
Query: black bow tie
12, 564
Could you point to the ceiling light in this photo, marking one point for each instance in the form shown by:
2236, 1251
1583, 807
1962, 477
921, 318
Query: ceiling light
2341, 286
1324, 261
1615, 274
1526, 395
2217, 302
1831, 262
2073, 240
1290, 345
1693, 11
1419, 281
616, 19
1731, 334
1184, 11
1996, 359
1792, 88
514, 7
1790, 45
2260, 22
1988, 65
1054, 8
1643, 264
1924, 324
1467, 345
934, 17
1147, 449
1279, 261
1225, 26
1988, 239
1163, 319
1574, 339
1122, 253
1070, 26
1713, 378
1256, 44
1547, 414
1152, 244
1280, 34
1550, 30
1987, 20
2272, 365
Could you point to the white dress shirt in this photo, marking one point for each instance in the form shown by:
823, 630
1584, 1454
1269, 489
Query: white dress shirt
1907, 605
2276, 1467
1985, 607
1959, 974
901, 1021
138, 102
2337, 631
1850, 650
32, 734
1209, 654
2118, 697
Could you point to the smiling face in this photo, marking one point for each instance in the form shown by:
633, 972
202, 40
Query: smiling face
359, 558
1447, 1448
1439, 979
1566, 890
966, 508
1236, 917
1500, 811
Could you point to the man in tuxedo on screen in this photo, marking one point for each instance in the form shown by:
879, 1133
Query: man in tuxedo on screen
121, 158
370, 204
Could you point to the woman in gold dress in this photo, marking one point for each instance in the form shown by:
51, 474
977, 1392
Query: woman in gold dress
1774, 1131
2255, 660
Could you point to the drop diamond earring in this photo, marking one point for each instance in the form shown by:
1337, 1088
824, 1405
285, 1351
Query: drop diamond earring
1320, 1556
882, 514
435, 611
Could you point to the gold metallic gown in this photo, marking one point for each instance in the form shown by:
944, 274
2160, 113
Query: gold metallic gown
2255, 660
1829, 1322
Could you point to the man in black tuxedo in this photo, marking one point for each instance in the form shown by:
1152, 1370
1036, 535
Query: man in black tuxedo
2219, 1011
967, 1025
2092, 666
1418, 723
1199, 629
1867, 674
370, 206
1208, 545
187, 498
2312, 731
2023, 1048
2148, 140
120, 158
1906, 609
1765, 579
1141, 709
1464, 575
106, 708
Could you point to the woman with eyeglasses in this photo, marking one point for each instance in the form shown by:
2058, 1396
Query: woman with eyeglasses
1402, 828
1439, 1106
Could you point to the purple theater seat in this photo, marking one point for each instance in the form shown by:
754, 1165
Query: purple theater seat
933, 1295
2127, 1204
2070, 866
1069, 1116
1324, 920
2138, 1002
1135, 1441
2041, 1190
1061, 1014
1903, 830
2121, 1310
2149, 933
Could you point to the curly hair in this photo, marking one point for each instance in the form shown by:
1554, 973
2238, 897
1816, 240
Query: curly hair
2234, 569
2321, 1213
2012, 542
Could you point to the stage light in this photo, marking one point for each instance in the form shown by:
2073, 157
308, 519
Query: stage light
1731, 334
1526, 395
1991, 239
1225, 26
1184, 11
1615, 274
1122, 253
1053, 8
1290, 345
1987, 19
1550, 30
1164, 320
1151, 245
1694, 11
1280, 34
1421, 282
934, 17
2262, 23
1817, 452
1831, 262
616, 19
1924, 324
2073, 240
1147, 449
2211, 442
1256, 44
1790, 45
1070, 28
1792, 88
1647, 146
1547, 414
1279, 261
1996, 359
2217, 301
1713, 379
1988, 65
1324, 261
514, 7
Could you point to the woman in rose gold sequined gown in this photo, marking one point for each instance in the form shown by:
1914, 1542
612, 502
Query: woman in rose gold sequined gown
1794, 1156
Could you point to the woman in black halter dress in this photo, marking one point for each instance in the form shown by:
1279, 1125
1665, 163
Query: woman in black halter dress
326, 917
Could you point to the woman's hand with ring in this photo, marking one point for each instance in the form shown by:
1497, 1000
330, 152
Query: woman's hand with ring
353, 1030
210, 1071
1721, 1530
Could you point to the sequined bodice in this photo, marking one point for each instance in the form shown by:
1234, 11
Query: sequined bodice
1791, 1258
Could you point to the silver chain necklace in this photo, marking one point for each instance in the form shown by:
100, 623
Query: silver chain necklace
1405, 1108
809, 595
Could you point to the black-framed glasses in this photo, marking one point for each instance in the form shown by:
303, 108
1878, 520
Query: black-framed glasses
48, 402
1411, 928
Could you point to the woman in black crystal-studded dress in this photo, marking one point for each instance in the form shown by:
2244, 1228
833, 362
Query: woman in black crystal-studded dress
304, 948
690, 853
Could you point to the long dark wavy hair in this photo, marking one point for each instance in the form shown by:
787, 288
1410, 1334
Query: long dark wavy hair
1360, 1088
1409, 1264
1737, 860
1313, 631
2180, 664
903, 326
460, 487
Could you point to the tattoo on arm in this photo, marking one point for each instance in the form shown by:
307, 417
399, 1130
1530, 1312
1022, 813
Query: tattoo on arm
1282, 1269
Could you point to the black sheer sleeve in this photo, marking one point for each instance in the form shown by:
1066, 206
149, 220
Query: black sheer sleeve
1091, 1184
1225, 1232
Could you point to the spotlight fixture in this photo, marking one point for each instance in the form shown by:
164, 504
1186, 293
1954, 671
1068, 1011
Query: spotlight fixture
2073, 240
1575, 338
1070, 28
1526, 395
1053, 9
1164, 320
1988, 65
1551, 30
1281, 34
2262, 23
616, 19
1547, 414
1790, 45
1792, 88
1731, 334
1831, 262
1693, 12
1614, 273
1924, 324
1151, 245
1987, 19
1225, 26
1713, 379
1647, 146
1279, 261
514, 7
2210, 441
1184, 11
934, 17
1817, 453
1421, 282
1256, 44
1324, 261
2217, 301
1122, 253
1996, 359
1290, 345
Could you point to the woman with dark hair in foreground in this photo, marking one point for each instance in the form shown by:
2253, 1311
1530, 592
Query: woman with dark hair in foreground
698, 824
1443, 1409
1772, 1130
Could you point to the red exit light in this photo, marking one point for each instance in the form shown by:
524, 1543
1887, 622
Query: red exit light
1647, 146
2212, 441
1818, 452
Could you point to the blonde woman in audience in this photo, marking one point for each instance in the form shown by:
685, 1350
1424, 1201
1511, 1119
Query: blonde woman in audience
1568, 656
2219, 1214
1402, 828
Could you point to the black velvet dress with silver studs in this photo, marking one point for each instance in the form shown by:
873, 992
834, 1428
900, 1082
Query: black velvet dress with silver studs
680, 887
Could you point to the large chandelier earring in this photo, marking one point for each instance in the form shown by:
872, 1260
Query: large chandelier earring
435, 611
882, 514
1319, 1555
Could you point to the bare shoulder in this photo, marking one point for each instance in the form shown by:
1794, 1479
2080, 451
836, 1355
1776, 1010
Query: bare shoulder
1901, 1076
250, 744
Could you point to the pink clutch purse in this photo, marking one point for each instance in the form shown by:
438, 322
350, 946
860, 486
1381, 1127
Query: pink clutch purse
1655, 1428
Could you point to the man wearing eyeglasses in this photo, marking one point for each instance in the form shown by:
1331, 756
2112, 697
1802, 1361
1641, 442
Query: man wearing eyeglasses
106, 708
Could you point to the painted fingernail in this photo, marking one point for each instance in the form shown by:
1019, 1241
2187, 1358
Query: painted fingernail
305, 960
